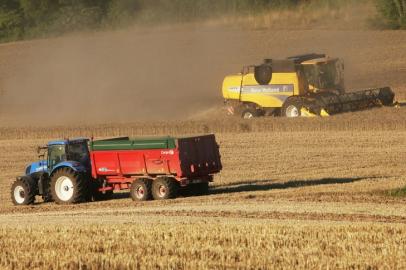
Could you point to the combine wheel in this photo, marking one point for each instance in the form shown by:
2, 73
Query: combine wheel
292, 108
23, 191
249, 113
141, 190
68, 186
165, 188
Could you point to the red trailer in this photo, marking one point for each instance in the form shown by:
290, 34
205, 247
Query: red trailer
155, 167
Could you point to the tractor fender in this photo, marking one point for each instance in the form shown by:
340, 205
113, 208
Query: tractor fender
74, 165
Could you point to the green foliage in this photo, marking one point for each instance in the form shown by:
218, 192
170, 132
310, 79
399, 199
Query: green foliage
11, 21
401, 192
37, 18
392, 13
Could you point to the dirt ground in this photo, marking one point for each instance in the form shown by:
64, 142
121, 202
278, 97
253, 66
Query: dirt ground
302, 193
170, 73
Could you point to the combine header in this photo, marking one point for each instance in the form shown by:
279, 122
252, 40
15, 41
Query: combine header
304, 85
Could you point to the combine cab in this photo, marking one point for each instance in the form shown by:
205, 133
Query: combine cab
304, 85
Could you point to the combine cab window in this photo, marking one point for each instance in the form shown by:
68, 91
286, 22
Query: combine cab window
324, 76
56, 155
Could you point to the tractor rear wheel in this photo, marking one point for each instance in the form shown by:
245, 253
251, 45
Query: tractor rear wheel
165, 188
141, 190
23, 191
292, 108
68, 186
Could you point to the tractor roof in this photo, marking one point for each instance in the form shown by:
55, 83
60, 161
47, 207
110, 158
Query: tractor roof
67, 141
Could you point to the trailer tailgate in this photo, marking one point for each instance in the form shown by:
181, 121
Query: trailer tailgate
199, 156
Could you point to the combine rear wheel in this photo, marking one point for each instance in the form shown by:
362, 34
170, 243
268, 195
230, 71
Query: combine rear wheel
165, 188
141, 190
292, 107
23, 191
68, 186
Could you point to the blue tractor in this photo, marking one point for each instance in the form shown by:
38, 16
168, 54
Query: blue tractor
62, 175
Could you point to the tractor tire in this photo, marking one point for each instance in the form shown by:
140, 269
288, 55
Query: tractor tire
93, 194
68, 186
165, 188
141, 190
23, 191
292, 107
47, 197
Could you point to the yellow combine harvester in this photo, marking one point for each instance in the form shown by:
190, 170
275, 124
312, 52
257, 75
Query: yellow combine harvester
303, 85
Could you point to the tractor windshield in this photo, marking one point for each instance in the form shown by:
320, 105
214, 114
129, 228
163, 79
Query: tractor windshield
324, 75
56, 154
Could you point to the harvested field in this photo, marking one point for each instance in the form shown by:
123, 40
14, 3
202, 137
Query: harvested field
307, 199
293, 194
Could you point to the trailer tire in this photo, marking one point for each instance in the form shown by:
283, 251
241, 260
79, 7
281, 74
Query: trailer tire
23, 191
141, 190
68, 186
292, 107
165, 188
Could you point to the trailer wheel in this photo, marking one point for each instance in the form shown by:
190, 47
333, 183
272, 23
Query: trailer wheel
23, 191
165, 188
68, 186
141, 190
292, 108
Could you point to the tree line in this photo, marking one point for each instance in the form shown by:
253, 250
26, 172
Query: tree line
21, 19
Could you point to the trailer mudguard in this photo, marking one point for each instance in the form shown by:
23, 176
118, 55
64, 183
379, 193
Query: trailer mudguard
74, 165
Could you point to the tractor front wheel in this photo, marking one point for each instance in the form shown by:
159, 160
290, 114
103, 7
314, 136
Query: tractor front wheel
165, 188
68, 186
23, 191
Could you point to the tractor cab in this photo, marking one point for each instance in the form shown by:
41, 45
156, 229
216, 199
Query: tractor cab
71, 153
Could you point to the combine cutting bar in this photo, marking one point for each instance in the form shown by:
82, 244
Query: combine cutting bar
355, 101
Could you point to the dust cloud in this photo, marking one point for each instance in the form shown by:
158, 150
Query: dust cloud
168, 73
